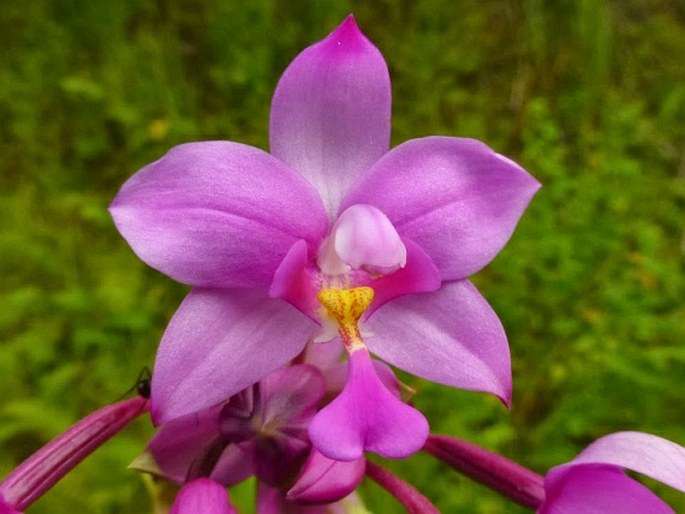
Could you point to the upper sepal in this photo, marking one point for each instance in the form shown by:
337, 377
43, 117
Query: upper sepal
330, 115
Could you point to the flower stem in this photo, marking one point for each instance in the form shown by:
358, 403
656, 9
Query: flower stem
37, 474
413, 501
508, 478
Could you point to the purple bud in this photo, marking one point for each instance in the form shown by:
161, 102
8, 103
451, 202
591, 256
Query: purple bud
37, 474
202, 496
5, 508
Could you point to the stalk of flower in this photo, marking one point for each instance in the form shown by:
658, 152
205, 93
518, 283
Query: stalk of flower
37, 474
410, 498
261, 237
510, 479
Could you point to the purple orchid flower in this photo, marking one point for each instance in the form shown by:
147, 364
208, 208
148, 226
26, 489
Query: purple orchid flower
261, 430
595, 482
330, 231
42, 470
202, 496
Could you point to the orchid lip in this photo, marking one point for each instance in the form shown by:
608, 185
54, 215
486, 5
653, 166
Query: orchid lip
346, 307
367, 416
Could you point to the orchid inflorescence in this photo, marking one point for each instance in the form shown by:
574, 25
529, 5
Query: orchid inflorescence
306, 261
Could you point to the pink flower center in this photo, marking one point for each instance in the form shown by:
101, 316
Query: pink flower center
362, 238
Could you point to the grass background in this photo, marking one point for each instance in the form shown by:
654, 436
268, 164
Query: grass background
588, 95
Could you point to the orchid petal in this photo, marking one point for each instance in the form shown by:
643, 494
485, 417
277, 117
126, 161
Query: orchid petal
451, 336
177, 444
599, 489
278, 459
456, 198
419, 275
287, 401
219, 342
290, 396
653, 456
271, 500
294, 283
202, 495
233, 467
330, 115
217, 214
284, 401
324, 480
366, 416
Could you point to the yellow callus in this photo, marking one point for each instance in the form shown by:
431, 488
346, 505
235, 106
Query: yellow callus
346, 307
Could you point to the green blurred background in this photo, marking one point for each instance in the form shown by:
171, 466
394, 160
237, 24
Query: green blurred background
588, 95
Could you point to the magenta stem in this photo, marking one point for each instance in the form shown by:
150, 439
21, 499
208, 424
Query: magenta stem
508, 478
413, 501
37, 474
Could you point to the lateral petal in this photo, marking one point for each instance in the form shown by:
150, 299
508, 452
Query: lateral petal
217, 214
330, 115
456, 198
218, 343
419, 275
295, 283
450, 336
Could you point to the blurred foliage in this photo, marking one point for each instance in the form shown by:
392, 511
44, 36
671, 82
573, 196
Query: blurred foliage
589, 95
